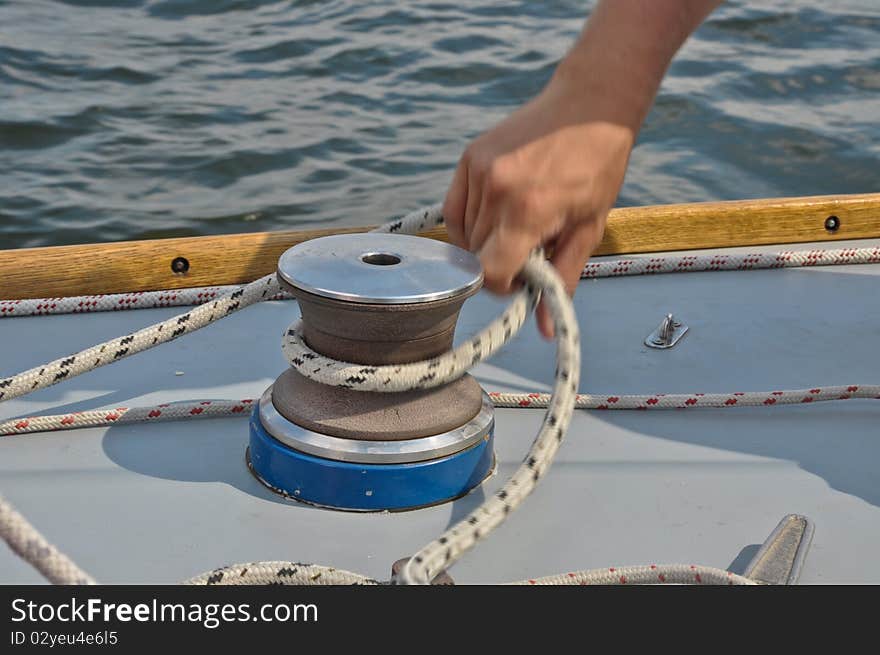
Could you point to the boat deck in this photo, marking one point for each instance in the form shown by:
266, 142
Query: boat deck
160, 503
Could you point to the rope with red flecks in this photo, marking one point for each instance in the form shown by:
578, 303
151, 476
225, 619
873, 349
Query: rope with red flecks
177, 411
115, 302
732, 262
231, 408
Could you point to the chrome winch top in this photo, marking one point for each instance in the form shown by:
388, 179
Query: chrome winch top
381, 269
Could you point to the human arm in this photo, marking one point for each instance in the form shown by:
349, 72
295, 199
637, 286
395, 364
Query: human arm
550, 172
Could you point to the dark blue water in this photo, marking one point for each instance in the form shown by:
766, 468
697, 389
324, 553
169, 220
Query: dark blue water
139, 119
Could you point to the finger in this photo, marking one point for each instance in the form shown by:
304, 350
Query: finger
486, 219
455, 203
472, 210
542, 313
573, 249
503, 255
545, 323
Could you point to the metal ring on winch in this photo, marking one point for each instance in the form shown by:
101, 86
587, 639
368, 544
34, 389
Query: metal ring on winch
359, 486
401, 451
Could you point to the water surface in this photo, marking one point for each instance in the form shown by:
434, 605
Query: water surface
140, 119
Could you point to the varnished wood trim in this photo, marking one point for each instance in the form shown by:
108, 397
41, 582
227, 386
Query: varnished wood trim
235, 258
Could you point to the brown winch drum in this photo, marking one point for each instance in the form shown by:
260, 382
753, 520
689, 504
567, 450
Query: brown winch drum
375, 299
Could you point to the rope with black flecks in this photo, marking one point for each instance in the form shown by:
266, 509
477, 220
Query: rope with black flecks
31, 546
102, 354
297, 573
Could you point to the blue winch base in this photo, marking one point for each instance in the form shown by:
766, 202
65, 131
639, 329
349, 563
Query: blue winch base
366, 487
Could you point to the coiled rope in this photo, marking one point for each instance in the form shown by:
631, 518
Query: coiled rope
429, 561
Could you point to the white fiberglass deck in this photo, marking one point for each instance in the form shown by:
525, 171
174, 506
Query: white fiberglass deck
160, 503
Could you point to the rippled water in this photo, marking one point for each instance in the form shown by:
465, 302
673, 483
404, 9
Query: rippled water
138, 119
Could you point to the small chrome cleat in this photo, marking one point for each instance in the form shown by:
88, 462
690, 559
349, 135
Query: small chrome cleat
667, 334
782, 555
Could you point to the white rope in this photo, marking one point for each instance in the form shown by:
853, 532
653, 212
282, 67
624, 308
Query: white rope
194, 409
288, 573
190, 409
114, 302
108, 352
32, 547
418, 375
651, 574
433, 558
734, 262
694, 400
296, 573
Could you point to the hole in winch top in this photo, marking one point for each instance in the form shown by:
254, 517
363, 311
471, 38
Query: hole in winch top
380, 258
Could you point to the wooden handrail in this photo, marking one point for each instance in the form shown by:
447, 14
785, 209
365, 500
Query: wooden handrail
236, 258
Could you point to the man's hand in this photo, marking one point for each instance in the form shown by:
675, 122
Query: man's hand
550, 173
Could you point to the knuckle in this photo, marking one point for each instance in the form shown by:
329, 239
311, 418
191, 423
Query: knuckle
477, 161
496, 176
527, 208
467, 156
530, 202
